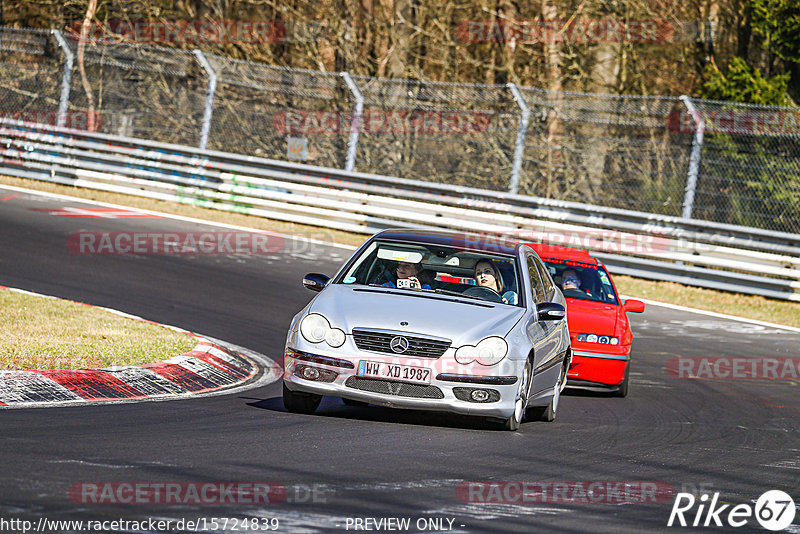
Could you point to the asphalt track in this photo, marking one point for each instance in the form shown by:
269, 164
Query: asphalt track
735, 437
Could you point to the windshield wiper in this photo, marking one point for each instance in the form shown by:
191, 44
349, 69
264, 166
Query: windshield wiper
457, 294
395, 287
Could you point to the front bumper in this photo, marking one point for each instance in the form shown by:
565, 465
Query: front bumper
448, 391
598, 370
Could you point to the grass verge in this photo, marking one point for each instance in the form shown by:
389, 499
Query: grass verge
47, 333
747, 306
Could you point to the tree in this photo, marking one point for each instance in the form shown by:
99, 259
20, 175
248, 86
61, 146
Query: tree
778, 23
743, 83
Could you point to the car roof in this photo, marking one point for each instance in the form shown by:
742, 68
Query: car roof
546, 251
471, 241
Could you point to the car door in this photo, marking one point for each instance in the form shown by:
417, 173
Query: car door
544, 335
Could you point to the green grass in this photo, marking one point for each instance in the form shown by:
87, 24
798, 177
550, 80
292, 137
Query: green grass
752, 307
46, 333
749, 306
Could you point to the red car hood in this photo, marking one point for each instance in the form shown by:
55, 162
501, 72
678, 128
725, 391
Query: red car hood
588, 317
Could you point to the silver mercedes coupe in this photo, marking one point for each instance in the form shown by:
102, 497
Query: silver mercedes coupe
433, 320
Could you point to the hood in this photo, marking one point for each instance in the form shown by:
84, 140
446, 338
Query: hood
586, 316
349, 307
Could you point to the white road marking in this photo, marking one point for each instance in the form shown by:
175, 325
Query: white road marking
713, 314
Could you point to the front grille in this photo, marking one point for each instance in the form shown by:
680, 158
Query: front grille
378, 341
400, 389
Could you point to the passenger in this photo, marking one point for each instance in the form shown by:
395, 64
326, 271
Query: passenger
412, 272
488, 275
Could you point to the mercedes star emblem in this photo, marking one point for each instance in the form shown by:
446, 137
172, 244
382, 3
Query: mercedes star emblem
398, 344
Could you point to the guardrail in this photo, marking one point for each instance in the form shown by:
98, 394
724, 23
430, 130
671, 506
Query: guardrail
688, 251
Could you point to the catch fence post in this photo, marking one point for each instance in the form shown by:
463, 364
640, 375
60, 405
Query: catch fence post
694, 159
355, 125
522, 131
210, 90
66, 78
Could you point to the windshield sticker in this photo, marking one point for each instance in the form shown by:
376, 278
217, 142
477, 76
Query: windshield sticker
349, 280
455, 279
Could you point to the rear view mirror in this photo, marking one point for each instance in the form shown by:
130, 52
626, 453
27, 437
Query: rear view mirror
315, 281
550, 311
400, 254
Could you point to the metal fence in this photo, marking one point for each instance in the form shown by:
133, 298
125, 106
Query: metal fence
712, 161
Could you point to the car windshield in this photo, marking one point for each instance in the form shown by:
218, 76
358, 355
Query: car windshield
437, 269
582, 280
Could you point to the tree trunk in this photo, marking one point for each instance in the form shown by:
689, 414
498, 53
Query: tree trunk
552, 57
87, 22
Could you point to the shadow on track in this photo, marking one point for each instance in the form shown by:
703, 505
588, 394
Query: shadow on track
334, 408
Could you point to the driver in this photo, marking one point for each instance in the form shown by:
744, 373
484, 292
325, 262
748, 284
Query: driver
487, 275
571, 280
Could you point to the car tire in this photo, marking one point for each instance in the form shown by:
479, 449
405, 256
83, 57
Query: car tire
521, 402
548, 413
297, 402
352, 402
622, 391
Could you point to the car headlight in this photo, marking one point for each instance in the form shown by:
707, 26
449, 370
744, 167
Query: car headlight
489, 351
316, 329
594, 338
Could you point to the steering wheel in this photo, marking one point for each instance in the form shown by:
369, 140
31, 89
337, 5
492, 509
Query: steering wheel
486, 293
574, 293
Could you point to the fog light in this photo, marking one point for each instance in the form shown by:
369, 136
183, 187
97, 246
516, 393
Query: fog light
479, 395
309, 373
476, 395
318, 374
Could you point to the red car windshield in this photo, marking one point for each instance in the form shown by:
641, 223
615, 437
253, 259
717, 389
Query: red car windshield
582, 280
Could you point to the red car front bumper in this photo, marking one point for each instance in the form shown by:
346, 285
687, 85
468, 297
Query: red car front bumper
595, 369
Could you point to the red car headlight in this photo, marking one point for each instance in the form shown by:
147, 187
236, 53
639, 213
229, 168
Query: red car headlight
595, 338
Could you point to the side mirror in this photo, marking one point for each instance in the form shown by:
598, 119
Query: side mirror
315, 281
633, 305
550, 311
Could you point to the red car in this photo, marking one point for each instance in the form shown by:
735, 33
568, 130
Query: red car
600, 334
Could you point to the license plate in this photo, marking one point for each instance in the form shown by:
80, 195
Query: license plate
393, 371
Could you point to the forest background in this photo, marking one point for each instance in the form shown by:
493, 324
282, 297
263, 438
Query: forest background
738, 50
